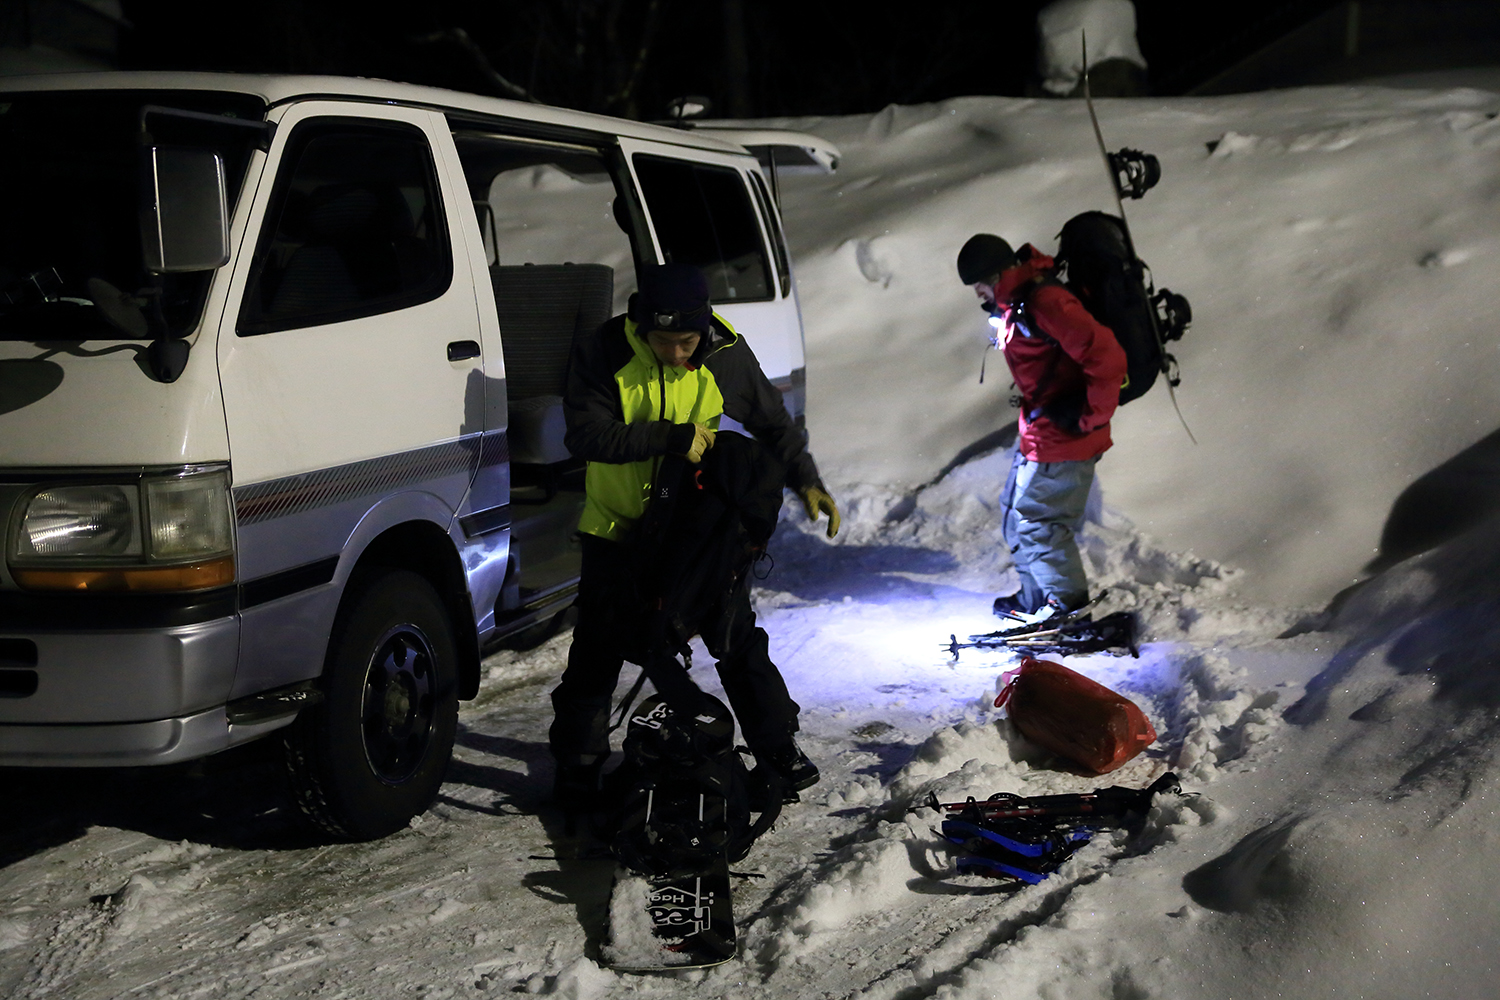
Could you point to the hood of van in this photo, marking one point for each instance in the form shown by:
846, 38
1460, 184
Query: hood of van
92, 403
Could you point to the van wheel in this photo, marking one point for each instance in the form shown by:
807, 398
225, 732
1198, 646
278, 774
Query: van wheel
373, 753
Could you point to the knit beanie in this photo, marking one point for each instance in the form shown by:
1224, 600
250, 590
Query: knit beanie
983, 257
672, 297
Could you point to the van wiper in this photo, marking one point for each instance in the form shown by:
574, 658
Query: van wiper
42, 290
34, 289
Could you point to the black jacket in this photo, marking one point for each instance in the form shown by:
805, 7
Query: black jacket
596, 430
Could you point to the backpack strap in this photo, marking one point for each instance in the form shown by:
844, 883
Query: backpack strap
1020, 316
1020, 309
739, 846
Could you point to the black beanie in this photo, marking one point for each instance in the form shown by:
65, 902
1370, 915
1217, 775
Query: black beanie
672, 297
983, 257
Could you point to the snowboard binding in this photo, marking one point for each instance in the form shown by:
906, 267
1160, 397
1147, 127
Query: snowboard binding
1135, 172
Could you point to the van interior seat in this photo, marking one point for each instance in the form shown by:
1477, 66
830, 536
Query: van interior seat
542, 309
357, 244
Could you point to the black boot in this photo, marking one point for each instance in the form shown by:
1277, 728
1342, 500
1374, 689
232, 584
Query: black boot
575, 786
796, 769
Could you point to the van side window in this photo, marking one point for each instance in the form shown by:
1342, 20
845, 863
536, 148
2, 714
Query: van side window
778, 240
355, 228
561, 265
703, 216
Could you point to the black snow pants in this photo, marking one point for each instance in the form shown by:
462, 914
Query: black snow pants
609, 615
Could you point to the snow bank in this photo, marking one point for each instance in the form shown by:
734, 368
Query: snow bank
1339, 248
1343, 839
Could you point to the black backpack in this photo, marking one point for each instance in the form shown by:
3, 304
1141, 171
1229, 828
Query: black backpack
704, 528
1113, 286
684, 793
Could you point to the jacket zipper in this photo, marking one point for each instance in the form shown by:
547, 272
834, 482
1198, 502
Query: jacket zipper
661, 381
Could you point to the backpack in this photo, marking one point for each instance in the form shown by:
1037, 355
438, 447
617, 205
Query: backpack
684, 794
683, 791
1113, 286
704, 528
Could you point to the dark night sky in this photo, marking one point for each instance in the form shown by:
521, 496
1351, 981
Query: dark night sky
803, 56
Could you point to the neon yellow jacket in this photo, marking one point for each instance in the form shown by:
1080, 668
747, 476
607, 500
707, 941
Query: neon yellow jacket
625, 410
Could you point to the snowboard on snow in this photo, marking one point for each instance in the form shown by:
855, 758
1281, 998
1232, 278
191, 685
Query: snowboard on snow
661, 923
670, 905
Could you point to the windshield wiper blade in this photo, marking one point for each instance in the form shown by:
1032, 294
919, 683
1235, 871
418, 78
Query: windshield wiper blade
32, 289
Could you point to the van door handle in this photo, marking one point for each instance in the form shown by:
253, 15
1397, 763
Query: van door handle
462, 350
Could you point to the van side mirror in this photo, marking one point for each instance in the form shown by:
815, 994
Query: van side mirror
184, 210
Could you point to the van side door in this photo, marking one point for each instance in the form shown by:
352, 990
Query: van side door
702, 210
350, 362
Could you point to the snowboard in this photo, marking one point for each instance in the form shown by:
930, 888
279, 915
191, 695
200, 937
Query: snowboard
1112, 166
671, 908
662, 923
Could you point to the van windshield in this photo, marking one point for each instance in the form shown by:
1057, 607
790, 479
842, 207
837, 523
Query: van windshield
71, 263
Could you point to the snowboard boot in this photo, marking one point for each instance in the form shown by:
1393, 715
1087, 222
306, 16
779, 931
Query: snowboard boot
575, 787
1010, 605
796, 769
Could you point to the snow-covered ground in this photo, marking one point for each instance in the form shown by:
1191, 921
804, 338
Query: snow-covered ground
1336, 838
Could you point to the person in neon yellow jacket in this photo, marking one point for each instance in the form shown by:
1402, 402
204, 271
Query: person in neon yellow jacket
651, 383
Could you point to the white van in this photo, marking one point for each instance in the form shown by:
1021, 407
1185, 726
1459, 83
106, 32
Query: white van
281, 361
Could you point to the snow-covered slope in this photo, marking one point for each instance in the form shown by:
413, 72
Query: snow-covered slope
1339, 247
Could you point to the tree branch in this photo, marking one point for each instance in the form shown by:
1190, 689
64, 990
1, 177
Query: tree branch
461, 38
625, 96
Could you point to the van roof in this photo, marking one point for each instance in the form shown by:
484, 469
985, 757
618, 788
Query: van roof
276, 90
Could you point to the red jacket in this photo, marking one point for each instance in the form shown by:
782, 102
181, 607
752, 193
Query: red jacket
1082, 362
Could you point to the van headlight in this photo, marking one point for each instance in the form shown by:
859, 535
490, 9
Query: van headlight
188, 518
161, 532
83, 521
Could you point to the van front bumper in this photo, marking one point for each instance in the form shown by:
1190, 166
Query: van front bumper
130, 744
121, 683
164, 741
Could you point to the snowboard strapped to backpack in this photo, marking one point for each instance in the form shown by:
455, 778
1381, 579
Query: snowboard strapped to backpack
1117, 291
685, 793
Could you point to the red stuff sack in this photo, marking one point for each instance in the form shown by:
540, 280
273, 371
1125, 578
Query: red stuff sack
1064, 712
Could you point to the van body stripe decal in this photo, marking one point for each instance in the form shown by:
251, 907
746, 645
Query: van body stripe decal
305, 491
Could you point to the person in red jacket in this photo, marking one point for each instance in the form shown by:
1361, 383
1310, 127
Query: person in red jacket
1068, 369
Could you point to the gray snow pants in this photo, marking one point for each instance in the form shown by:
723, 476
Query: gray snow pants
1043, 506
